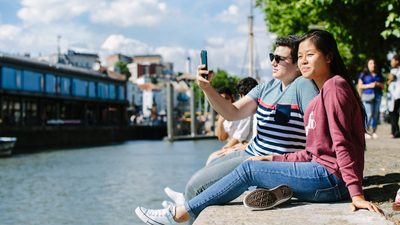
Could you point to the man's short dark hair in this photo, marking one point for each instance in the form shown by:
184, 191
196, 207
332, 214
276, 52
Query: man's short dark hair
292, 42
396, 57
245, 85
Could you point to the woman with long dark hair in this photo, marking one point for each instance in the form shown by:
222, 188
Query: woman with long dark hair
370, 83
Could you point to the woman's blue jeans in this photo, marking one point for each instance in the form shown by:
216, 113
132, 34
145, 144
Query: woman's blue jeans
310, 181
372, 111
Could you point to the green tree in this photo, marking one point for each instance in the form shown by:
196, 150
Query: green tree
122, 67
223, 79
363, 29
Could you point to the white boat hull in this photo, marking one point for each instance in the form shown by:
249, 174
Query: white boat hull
7, 145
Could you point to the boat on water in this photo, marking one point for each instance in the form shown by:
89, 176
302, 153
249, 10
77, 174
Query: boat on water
7, 145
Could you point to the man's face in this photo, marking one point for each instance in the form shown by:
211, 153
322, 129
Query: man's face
285, 67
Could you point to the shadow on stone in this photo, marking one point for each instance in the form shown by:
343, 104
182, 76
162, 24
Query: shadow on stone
382, 193
379, 180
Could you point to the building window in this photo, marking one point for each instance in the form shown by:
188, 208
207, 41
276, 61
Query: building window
121, 92
79, 87
92, 89
11, 78
65, 86
51, 83
101, 90
112, 92
31, 81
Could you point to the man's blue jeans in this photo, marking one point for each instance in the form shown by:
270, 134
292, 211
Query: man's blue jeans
310, 181
217, 169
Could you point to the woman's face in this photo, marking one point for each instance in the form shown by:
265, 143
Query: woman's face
371, 65
312, 62
285, 69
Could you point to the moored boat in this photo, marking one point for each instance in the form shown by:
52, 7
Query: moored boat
7, 145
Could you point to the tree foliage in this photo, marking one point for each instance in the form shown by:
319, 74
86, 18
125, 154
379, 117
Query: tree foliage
363, 29
223, 79
122, 67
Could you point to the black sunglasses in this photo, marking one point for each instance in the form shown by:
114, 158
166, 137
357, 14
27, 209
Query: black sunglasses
277, 58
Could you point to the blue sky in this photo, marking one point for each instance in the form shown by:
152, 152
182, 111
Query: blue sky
175, 29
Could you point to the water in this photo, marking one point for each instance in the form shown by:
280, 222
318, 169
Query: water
98, 185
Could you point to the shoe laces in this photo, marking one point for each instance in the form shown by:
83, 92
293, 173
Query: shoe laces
161, 212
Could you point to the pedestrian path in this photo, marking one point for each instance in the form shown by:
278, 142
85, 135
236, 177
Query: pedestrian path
381, 181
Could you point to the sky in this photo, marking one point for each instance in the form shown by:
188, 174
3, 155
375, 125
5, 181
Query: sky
175, 29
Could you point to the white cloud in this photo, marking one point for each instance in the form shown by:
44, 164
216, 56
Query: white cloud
43, 39
47, 11
215, 41
130, 13
122, 13
9, 32
230, 15
121, 44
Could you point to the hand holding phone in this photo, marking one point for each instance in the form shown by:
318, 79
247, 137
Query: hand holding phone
203, 57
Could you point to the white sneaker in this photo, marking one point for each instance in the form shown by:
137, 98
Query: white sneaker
156, 216
367, 136
166, 204
374, 136
177, 197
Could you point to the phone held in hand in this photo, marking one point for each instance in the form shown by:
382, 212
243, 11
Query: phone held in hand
203, 56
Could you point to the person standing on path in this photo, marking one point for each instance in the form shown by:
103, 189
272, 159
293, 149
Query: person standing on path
394, 95
370, 83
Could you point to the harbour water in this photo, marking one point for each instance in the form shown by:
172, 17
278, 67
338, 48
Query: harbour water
95, 185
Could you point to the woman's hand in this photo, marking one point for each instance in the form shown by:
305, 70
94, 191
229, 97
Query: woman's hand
261, 158
359, 202
201, 72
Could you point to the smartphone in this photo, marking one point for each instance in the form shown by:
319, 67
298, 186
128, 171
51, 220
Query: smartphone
203, 57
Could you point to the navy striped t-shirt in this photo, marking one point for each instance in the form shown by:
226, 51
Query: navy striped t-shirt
280, 122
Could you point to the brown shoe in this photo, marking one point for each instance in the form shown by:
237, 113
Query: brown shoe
265, 199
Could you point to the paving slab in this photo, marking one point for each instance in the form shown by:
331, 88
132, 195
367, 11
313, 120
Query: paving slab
291, 213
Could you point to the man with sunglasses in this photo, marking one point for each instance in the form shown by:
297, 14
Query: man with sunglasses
279, 107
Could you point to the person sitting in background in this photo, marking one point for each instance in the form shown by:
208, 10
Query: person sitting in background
370, 84
238, 132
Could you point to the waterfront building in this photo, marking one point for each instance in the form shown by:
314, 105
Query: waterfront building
74, 57
146, 88
36, 93
112, 59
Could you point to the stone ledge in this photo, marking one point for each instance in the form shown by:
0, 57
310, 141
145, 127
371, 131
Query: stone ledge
291, 213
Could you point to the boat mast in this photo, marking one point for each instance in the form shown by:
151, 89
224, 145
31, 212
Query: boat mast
251, 39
